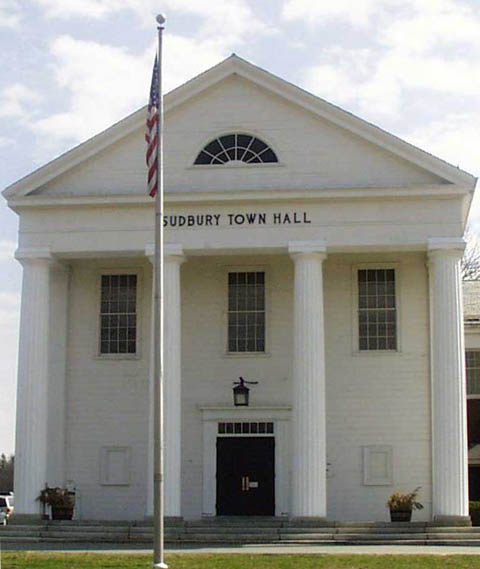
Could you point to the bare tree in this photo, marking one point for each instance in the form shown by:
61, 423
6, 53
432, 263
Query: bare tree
6, 473
471, 258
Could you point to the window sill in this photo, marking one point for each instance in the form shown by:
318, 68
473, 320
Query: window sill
247, 355
114, 357
363, 353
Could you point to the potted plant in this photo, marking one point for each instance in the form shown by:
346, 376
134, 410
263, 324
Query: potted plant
401, 505
61, 501
474, 511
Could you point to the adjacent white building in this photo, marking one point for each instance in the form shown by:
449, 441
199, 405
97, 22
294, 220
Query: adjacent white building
471, 311
307, 250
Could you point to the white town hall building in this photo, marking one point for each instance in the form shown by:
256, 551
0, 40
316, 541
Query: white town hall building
307, 250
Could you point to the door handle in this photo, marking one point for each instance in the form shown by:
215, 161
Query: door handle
245, 484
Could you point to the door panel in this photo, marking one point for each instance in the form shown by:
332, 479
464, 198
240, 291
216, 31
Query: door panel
245, 476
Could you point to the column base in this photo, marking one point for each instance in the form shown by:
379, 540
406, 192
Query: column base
452, 521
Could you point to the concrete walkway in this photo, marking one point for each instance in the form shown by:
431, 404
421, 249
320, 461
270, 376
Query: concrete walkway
250, 549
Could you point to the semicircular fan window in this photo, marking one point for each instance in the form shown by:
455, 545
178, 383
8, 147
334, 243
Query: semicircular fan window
236, 149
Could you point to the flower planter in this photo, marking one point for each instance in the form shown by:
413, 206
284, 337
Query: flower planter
62, 513
475, 517
60, 500
401, 505
400, 515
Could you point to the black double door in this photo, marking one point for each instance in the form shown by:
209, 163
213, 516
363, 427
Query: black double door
245, 476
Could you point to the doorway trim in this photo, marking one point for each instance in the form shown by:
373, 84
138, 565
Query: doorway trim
280, 416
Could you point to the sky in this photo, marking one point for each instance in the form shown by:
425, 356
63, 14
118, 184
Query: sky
71, 68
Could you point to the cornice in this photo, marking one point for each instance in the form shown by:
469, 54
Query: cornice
258, 195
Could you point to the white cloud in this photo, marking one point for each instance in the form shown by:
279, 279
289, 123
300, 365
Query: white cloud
226, 21
9, 307
9, 317
422, 45
104, 83
188, 57
5, 141
432, 24
453, 138
372, 81
7, 249
9, 14
356, 78
444, 20
357, 13
16, 99
94, 9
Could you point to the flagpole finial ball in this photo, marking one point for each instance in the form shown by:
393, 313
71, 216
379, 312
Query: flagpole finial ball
161, 19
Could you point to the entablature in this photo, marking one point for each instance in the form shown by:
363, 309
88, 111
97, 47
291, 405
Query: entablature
420, 191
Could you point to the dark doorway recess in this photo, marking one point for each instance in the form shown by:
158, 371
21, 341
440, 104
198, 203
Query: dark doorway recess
474, 483
245, 476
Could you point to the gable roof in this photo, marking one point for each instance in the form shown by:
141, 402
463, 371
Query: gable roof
235, 65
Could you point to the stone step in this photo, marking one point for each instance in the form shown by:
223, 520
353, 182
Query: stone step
248, 539
86, 535
460, 529
400, 537
7, 531
211, 537
212, 531
239, 531
87, 528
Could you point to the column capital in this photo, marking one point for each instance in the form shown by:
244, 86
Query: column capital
300, 248
26, 255
446, 246
42, 256
171, 252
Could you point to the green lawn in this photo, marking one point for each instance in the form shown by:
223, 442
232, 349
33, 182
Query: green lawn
40, 560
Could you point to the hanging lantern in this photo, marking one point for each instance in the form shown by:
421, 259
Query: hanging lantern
241, 392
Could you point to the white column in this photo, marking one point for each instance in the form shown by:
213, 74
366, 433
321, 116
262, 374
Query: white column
309, 498
173, 258
32, 400
56, 426
449, 424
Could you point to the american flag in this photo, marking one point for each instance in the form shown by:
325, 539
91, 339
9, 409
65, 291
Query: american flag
151, 133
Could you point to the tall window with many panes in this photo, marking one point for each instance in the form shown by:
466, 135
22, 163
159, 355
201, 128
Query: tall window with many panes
246, 311
377, 310
472, 364
118, 314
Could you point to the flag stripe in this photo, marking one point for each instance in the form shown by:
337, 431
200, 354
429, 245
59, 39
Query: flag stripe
151, 133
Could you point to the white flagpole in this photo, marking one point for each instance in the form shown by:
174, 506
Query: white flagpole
158, 451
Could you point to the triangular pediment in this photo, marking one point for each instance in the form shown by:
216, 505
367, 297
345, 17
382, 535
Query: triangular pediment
319, 146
